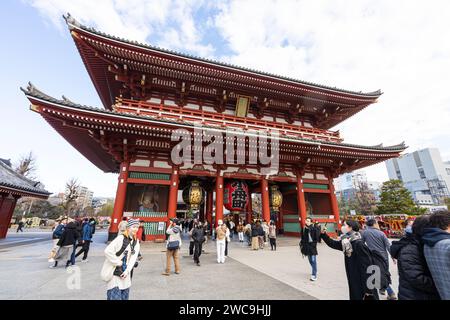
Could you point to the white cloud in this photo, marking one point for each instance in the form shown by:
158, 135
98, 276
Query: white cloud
401, 47
168, 22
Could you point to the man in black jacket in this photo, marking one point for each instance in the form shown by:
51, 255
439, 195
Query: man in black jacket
198, 234
415, 280
308, 245
66, 242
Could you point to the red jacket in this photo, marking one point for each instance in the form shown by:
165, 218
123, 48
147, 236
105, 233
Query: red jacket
141, 234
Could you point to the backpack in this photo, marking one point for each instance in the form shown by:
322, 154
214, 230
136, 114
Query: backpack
120, 269
58, 231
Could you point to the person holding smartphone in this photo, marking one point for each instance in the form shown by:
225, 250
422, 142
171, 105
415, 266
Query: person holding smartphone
174, 238
308, 245
357, 259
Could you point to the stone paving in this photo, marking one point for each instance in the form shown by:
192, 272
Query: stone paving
246, 274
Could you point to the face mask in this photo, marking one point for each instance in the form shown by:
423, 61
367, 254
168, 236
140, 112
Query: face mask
408, 229
344, 229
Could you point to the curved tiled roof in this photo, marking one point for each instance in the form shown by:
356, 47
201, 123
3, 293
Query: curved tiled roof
9, 179
72, 23
32, 91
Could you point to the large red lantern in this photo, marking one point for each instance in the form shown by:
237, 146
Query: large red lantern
236, 196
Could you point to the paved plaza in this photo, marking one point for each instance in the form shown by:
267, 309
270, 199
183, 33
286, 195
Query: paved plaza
246, 274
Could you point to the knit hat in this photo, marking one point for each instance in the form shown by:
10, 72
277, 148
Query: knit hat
122, 227
132, 222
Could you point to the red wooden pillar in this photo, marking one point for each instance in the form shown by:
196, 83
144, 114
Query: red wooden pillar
6, 211
301, 199
334, 203
173, 194
249, 215
120, 200
265, 199
219, 197
279, 222
209, 206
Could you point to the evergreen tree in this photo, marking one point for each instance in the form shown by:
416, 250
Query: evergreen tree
447, 203
365, 198
396, 199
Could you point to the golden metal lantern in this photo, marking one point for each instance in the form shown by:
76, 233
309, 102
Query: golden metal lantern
276, 198
193, 195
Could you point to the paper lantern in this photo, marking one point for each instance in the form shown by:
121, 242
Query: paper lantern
236, 196
276, 198
193, 195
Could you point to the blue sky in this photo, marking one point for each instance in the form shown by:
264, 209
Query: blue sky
397, 46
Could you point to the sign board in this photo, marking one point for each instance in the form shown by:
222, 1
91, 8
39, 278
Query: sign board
161, 226
352, 212
128, 214
242, 104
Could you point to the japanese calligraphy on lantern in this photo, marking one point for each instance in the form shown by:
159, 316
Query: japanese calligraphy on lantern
236, 196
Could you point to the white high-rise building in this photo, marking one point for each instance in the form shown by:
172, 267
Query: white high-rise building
84, 198
424, 174
348, 184
351, 180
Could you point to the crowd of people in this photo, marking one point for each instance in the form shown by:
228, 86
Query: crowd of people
123, 253
68, 235
422, 255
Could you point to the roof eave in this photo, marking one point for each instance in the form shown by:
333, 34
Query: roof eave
33, 93
370, 96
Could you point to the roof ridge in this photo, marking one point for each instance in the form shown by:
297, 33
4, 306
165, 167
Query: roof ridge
34, 184
73, 23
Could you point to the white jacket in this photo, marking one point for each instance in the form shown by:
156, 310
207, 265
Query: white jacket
112, 261
174, 234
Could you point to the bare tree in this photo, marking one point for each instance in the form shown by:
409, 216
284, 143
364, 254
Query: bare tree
27, 166
365, 198
71, 195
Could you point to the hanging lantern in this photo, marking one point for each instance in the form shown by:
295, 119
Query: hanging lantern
193, 195
236, 196
276, 198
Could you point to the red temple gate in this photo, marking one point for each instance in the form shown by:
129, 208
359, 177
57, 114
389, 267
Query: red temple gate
149, 93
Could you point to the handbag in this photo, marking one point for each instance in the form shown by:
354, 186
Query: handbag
107, 271
173, 245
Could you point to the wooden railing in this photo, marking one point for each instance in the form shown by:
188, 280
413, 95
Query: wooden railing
161, 111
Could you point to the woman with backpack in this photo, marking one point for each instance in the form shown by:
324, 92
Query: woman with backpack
66, 243
357, 258
121, 255
57, 233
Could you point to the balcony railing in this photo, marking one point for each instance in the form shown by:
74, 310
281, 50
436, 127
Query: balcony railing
161, 111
